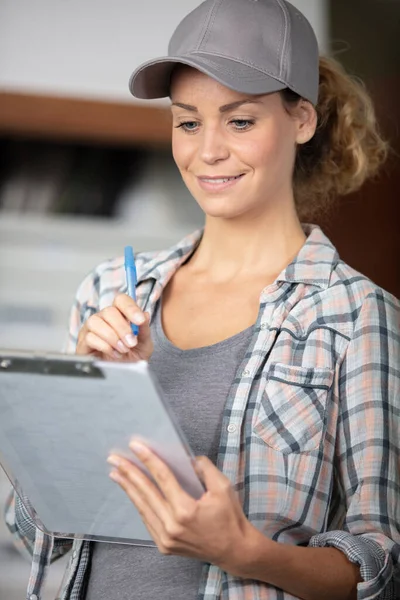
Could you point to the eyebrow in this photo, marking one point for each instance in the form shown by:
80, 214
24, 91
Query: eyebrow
222, 109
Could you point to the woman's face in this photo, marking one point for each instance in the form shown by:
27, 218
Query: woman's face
235, 152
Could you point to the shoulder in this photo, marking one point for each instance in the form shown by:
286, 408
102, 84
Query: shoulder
348, 300
100, 286
360, 306
105, 281
334, 295
357, 292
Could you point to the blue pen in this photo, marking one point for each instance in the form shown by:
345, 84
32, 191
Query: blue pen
131, 278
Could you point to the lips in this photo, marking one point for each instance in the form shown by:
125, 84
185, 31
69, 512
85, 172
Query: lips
222, 179
219, 183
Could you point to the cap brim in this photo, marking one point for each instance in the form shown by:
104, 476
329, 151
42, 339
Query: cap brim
152, 79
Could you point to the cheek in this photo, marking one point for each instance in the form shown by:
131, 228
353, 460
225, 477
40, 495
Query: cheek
260, 152
274, 150
181, 151
270, 145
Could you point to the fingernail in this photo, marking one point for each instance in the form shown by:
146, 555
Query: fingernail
114, 460
138, 448
131, 340
115, 476
138, 318
121, 346
117, 354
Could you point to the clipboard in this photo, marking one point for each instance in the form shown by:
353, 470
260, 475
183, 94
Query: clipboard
60, 417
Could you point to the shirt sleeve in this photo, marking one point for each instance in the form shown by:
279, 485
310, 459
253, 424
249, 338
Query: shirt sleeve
86, 303
368, 449
24, 531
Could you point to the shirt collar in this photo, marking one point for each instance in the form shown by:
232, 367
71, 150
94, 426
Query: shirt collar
313, 264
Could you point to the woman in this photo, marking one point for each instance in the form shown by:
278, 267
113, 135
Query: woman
280, 360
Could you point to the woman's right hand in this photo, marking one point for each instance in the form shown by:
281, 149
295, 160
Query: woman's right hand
108, 334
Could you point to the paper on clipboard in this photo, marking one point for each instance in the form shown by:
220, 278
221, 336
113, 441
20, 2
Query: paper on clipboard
60, 417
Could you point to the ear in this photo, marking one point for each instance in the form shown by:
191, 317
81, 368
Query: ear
306, 117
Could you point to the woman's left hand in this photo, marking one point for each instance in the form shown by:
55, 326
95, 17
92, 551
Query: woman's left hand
213, 529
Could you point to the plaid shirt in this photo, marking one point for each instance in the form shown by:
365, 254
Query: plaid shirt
310, 429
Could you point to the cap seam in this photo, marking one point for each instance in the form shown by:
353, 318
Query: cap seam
285, 37
208, 24
240, 61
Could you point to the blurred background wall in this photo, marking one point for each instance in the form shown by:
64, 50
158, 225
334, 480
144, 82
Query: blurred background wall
366, 226
86, 169
90, 48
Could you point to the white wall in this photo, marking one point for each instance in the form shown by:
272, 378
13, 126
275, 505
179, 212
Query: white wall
89, 48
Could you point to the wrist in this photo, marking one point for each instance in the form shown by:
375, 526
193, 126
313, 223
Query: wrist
250, 553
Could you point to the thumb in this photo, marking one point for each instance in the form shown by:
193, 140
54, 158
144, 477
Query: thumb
144, 329
212, 477
145, 347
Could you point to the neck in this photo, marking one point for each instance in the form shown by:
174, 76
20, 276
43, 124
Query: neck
244, 249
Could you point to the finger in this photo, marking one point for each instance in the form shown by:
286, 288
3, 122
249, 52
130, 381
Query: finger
162, 474
212, 477
144, 329
93, 342
144, 488
100, 328
148, 516
121, 327
163, 533
129, 309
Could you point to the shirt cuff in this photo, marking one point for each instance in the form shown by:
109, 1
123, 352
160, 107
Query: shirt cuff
24, 523
376, 567
27, 530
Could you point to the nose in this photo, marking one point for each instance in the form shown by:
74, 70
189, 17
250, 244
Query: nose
214, 146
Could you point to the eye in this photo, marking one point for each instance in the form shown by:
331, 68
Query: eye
189, 126
242, 124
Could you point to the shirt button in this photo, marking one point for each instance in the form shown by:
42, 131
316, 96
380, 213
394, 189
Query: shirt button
33, 597
264, 325
246, 373
231, 428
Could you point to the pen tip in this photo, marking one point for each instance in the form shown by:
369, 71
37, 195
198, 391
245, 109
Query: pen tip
129, 257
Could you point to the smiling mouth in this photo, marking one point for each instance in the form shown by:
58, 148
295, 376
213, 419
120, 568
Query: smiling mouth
221, 184
216, 180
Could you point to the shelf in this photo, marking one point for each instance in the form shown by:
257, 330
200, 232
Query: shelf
84, 120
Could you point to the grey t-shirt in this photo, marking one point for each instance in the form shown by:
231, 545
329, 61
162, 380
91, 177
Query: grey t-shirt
196, 383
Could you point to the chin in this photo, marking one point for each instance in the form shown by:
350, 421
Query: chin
221, 207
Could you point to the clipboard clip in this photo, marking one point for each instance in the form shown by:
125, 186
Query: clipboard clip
61, 364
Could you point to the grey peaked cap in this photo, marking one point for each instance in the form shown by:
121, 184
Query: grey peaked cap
250, 46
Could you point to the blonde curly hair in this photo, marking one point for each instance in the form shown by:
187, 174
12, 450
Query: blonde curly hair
346, 148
